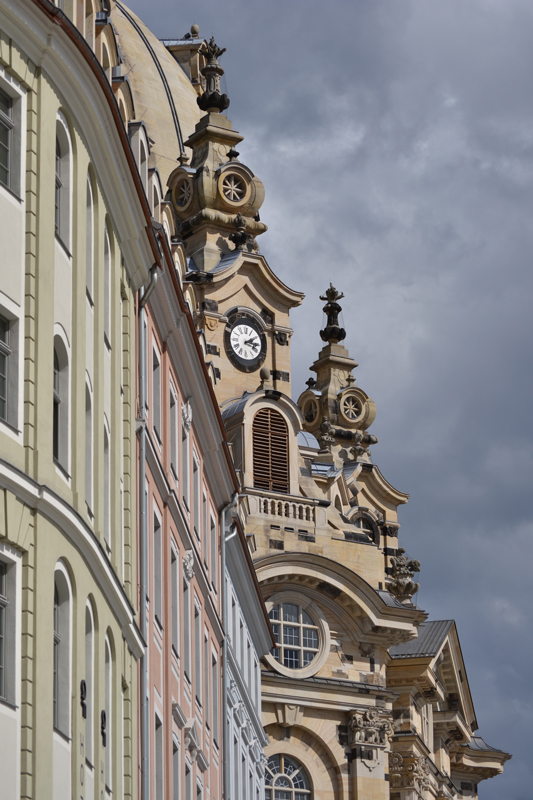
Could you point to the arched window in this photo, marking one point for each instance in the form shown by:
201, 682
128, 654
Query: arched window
107, 491
107, 288
61, 661
89, 244
62, 184
270, 451
107, 721
88, 449
106, 64
89, 683
286, 779
144, 167
60, 404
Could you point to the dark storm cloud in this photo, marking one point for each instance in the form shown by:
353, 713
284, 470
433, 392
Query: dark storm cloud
395, 141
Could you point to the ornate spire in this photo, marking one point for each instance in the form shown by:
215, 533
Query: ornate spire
212, 100
332, 333
334, 410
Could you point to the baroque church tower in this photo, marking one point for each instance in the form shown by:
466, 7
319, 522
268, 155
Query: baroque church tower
363, 697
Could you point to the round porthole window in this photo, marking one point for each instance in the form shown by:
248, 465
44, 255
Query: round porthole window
234, 188
310, 410
352, 407
301, 634
183, 193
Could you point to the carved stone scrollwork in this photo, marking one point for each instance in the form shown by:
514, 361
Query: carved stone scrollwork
325, 437
186, 415
188, 565
400, 582
409, 773
370, 727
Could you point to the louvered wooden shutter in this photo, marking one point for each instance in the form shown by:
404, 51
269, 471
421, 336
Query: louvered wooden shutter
271, 451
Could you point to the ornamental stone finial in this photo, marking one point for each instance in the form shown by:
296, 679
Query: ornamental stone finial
332, 333
212, 100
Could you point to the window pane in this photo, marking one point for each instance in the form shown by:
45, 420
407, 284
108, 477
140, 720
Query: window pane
280, 795
2, 655
291, 658
273, 764
306, 619
308, 657
6, 104
275, 631
290, 612
3, 386
274, 614
283, 782
291, 636
310, 638
5, 134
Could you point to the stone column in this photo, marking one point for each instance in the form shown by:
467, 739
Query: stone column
369, 734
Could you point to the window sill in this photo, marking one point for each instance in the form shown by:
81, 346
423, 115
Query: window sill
12, 192
64, 247
63, 735
4, 702
11, 427
62, 470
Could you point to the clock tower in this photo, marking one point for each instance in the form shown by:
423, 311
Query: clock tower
351, 708
242, 306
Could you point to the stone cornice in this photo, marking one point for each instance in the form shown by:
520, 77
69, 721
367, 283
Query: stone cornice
46, 502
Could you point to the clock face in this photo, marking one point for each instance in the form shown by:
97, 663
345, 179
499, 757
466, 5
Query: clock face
245, 342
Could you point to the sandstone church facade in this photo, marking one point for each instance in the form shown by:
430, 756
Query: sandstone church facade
203, 592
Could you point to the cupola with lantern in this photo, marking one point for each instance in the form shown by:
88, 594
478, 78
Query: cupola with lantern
216, 198
336, 411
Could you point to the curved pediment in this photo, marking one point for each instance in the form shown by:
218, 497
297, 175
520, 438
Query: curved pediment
379, 615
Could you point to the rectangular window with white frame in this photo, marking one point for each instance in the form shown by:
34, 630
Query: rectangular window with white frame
215, 696
214, 551
156, 394
185, 463
187, 630
205, 533
173, 430
7, 631
159, 766
207, 677
9, 370
198, 654
174, 600
176, 771
157, 591
11, 130
196, 495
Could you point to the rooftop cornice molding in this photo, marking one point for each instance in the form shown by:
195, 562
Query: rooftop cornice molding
54, 44
43, 500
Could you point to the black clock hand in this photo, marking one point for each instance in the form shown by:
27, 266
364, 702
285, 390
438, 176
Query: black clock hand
251, 343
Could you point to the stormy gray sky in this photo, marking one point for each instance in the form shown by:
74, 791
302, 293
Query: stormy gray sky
395, 141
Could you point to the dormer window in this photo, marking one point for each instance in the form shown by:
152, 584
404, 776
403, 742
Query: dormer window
270, 451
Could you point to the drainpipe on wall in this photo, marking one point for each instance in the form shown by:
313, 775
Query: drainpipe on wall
225, 512
145, 742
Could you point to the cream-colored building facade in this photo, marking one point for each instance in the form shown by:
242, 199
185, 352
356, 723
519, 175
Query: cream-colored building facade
74, 250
